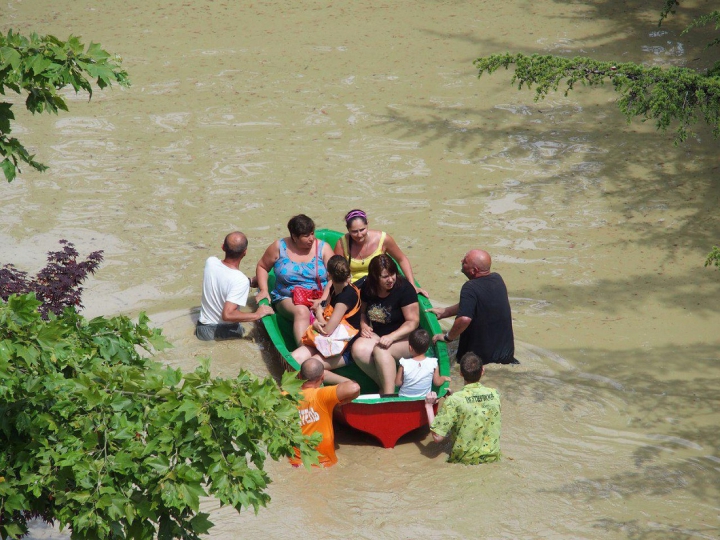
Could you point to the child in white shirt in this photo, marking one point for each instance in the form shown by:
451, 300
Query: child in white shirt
416, 375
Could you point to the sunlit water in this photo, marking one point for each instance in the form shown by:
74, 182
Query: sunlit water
241, 115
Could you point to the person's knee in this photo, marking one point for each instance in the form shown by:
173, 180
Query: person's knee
205, 332
382, 356
362, 350
301, 354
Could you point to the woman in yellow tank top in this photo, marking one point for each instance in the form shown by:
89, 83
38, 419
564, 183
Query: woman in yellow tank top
361, 244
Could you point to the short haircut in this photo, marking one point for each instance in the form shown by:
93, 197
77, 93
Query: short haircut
312, 369
300, 225
338, 268
419, 340
471, 366
235, 245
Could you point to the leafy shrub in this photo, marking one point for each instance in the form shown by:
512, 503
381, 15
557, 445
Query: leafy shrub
56, 286
111, 444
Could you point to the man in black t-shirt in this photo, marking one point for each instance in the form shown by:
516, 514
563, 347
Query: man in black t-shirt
483, 321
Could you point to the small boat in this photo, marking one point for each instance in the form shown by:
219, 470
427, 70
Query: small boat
385, 418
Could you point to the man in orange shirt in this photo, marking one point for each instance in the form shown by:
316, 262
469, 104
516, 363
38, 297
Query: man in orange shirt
316, 409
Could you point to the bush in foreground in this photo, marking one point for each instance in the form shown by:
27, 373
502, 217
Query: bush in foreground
112, 444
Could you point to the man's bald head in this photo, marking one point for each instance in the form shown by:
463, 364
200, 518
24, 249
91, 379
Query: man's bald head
476, 263
312, 370
235, 245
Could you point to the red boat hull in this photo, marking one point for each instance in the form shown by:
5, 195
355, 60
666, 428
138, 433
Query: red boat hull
387, 421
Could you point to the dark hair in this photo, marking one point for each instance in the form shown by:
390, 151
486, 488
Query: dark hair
377, 265
471, 366
235, 245
338, 268
300, 225
419, 339
354, 214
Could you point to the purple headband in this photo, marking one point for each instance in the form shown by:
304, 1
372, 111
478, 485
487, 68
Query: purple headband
353, 214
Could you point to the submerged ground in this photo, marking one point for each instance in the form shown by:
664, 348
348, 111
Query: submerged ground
241, 115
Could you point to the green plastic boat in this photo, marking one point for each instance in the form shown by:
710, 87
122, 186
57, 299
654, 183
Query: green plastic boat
386, 419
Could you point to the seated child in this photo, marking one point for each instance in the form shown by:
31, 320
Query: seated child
416, 375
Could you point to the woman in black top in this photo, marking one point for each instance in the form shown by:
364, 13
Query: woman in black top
344, 298
389, 312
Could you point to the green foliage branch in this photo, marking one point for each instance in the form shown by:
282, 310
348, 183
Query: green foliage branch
665, 95
713, 258
668, 96
112, 444
41, 66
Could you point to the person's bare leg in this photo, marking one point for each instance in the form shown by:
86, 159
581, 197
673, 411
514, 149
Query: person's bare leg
333, 362
299, 315
333, 378
302, 353
362, 354
386, 366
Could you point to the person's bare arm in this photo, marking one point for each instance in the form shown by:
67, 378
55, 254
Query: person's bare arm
366, 329
392, 249
339, 248
444, 313
458, 327
327, 252
399, 376
439, 379
437, 438
338, 313
430, 401
264, 265
411, 312
232, 314
347, 391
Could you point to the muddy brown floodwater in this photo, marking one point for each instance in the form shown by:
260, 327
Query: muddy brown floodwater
242, 114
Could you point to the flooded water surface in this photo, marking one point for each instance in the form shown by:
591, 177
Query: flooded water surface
243, 114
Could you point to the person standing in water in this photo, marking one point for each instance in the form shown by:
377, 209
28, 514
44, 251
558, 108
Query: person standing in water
471, 417
316, 408
483, 320
225, 288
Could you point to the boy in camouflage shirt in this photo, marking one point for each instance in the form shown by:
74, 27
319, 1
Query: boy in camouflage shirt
471, 416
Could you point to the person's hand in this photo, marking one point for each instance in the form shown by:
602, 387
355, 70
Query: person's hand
385, 342
262, 295
315, 304
264, 310
420, 290
319, 317
431, 398
319, 327
436, 311
366, 330
445, 378
438, 337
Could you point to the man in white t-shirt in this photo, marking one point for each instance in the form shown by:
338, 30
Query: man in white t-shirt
225, 290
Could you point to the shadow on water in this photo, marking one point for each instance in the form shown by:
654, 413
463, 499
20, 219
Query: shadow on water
612, 294
680, 181
630, 33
